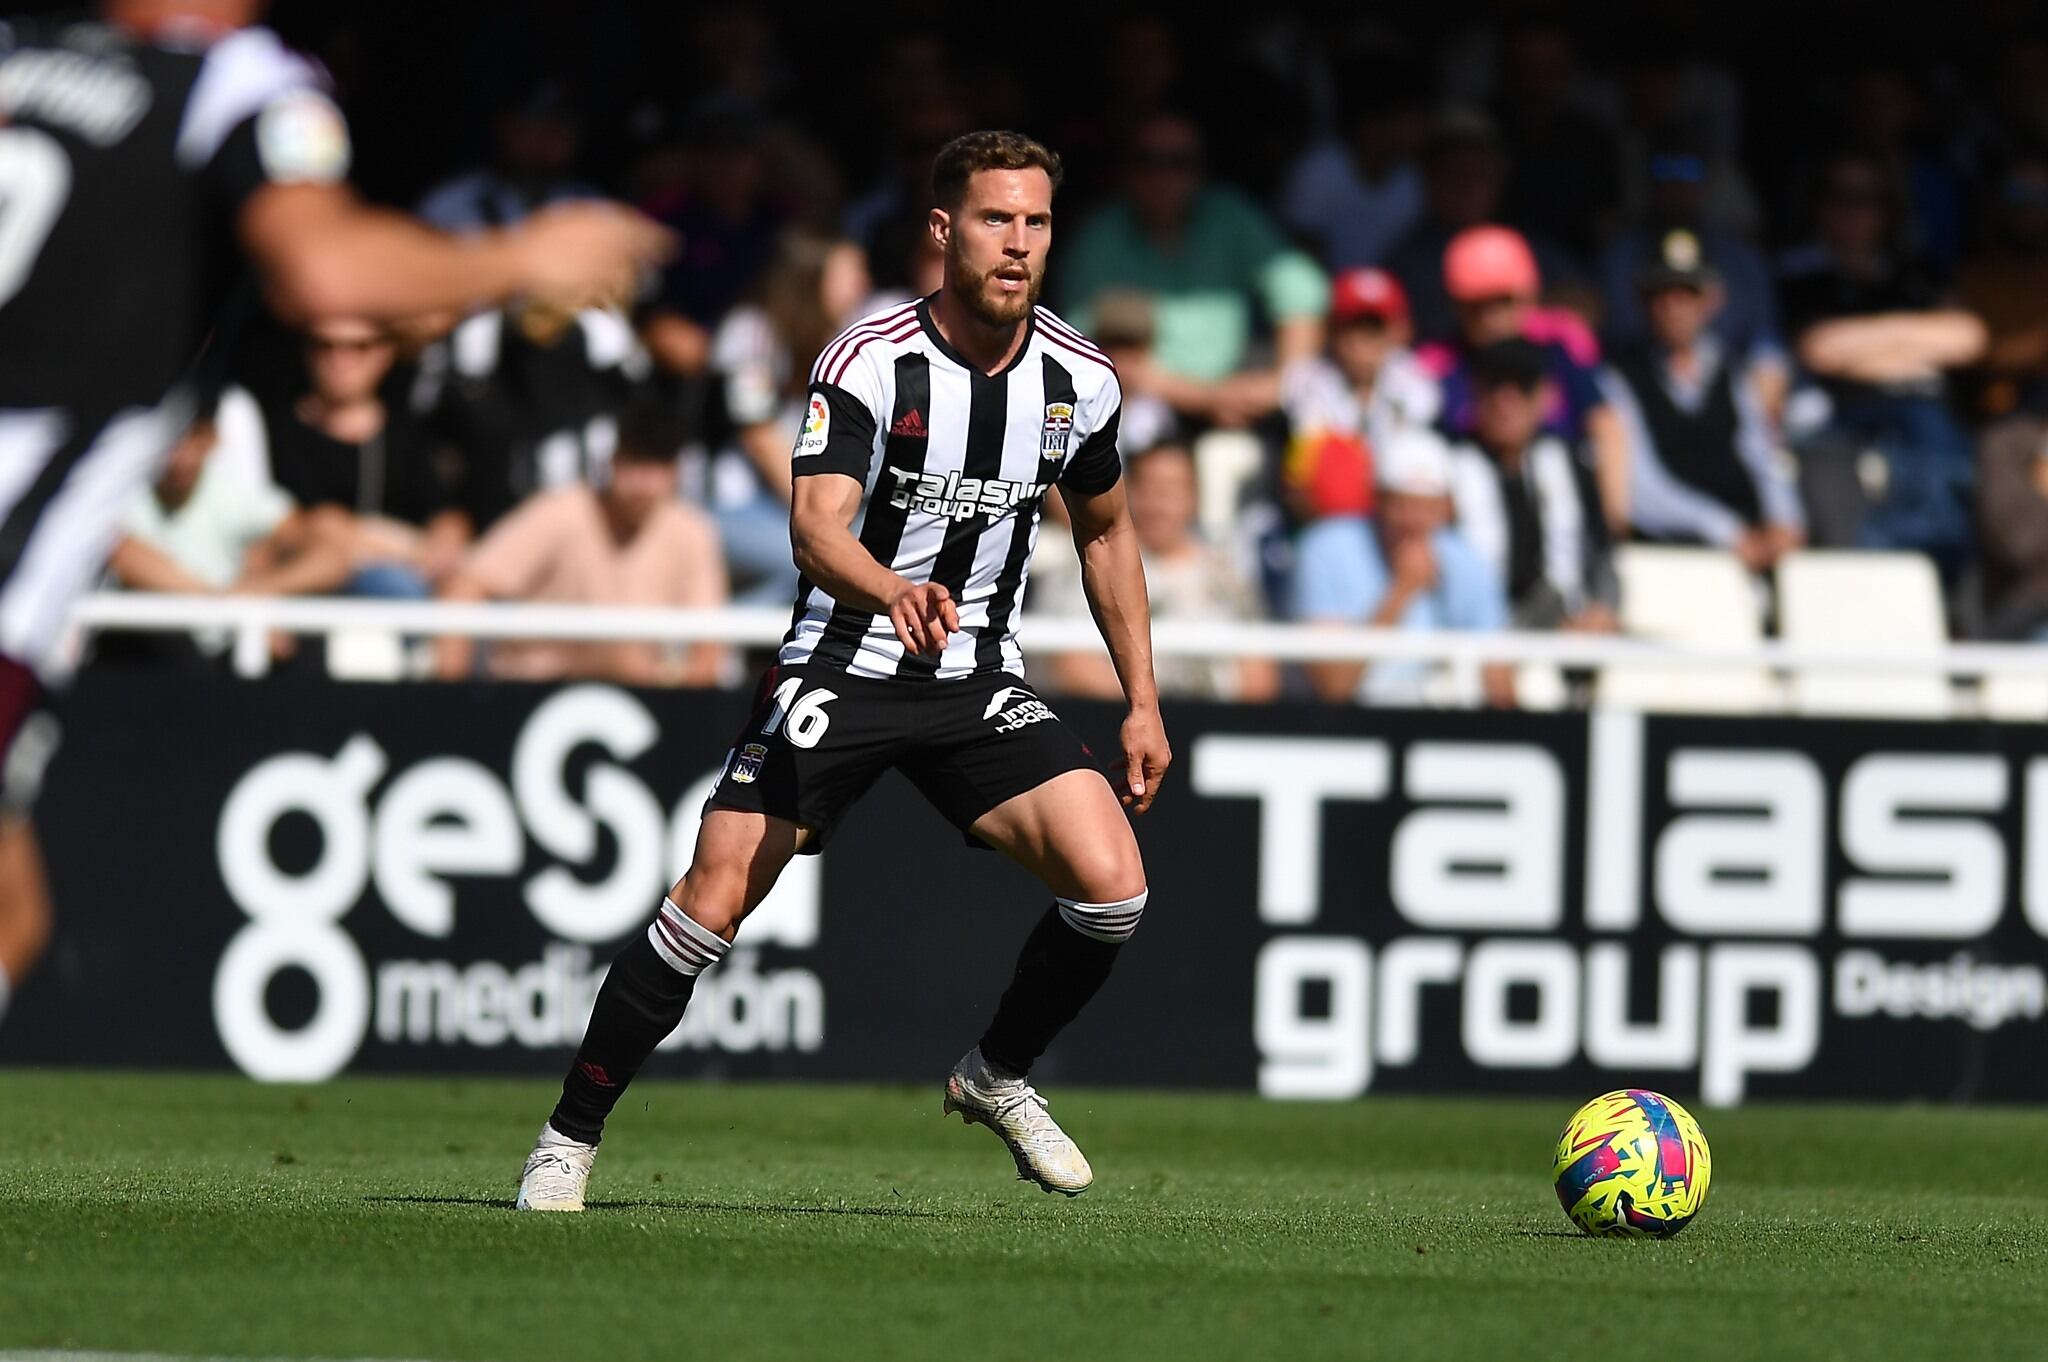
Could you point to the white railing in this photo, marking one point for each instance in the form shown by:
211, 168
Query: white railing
251, 619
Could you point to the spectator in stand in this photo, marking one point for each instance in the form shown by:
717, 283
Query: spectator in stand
1490, 274
2007, 285
2012, 520
530, 396
203, 528
627, 542
535, 138
1886, 118
1343, 405
1746, 319
1356, 194
762, 356
1186, 579
1406, 568
1705, 466
349, 449
728, 222
1525, 503
890, 214
1877, 337
1124, 330
1464, 174
1562, 167
1212, 263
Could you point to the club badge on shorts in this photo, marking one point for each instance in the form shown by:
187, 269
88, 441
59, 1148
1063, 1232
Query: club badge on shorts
1059, 424
747, 765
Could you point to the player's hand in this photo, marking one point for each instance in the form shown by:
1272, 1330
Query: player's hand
1146, 757
924, 617
588, 254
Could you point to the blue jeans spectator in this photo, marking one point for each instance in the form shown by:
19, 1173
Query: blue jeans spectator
757, 554
389, 582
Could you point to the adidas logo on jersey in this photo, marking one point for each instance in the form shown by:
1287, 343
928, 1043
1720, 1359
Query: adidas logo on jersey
953, 497
910, 425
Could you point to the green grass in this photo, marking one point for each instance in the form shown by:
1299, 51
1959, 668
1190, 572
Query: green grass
367, 1218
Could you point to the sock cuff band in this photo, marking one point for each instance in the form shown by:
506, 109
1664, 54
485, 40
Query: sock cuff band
684, 945
1107, 922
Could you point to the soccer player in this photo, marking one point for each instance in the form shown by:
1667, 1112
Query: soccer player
137, 154
933, 433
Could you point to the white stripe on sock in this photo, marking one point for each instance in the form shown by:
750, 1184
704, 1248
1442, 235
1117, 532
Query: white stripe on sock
1112, 923
685, 946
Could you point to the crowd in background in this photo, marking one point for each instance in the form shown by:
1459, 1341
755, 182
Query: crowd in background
1416, 320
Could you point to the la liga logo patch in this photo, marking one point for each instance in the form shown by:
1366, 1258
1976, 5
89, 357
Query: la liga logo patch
817, 427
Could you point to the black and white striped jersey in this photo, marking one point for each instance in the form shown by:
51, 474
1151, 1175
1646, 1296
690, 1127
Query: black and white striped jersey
123, 164
956, 463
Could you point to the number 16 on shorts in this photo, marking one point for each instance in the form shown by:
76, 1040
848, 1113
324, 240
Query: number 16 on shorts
800, 717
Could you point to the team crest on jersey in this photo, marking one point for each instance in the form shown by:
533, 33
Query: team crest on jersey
1059, 424
817, 427
746, 767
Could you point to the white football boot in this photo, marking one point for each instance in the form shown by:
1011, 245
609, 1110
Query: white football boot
1013, 1109
556, 1172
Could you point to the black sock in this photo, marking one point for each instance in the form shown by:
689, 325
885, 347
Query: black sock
1058, 971
639, 1003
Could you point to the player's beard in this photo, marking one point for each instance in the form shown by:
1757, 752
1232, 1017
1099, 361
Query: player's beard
986, 306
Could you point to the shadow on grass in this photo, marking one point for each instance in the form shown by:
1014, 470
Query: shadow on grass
1549, 1234
722, 1207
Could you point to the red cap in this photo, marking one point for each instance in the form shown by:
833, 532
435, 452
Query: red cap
1490, 262
1367, 293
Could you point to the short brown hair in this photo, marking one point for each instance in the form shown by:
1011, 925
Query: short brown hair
960, 158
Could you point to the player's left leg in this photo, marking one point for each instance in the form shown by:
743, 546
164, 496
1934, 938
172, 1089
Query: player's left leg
1071, 833
997, 761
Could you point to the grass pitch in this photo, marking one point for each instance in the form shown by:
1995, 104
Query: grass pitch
371, 1218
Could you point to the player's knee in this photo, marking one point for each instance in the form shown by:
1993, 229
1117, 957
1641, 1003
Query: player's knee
1112, 923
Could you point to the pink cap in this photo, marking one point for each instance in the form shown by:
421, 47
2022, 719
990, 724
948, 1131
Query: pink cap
1490, 262
1367, 293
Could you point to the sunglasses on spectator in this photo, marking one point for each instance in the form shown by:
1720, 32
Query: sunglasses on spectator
1166, 160
1855, 196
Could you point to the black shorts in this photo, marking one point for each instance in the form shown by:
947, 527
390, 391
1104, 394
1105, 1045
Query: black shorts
820, 737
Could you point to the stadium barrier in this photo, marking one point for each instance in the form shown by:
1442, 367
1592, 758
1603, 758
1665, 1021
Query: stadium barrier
296, 878
252, 619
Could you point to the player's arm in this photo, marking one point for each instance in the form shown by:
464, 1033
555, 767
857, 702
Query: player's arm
821, 511
323, 252
1113, 579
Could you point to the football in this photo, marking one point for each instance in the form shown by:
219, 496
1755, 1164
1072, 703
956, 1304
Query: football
1632, 1164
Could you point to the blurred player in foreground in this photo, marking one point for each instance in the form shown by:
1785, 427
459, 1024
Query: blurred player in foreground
937, 428
138, 156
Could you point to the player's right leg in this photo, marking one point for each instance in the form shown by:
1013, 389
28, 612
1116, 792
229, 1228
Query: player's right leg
28, 738
813, 745
738, 857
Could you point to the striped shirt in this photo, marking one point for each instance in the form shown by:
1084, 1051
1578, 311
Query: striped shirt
956, 464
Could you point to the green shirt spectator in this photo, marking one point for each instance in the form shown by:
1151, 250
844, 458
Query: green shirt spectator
1209, 260
1204, 288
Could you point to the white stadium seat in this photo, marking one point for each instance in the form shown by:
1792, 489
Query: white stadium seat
1850, 599
1683, 595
